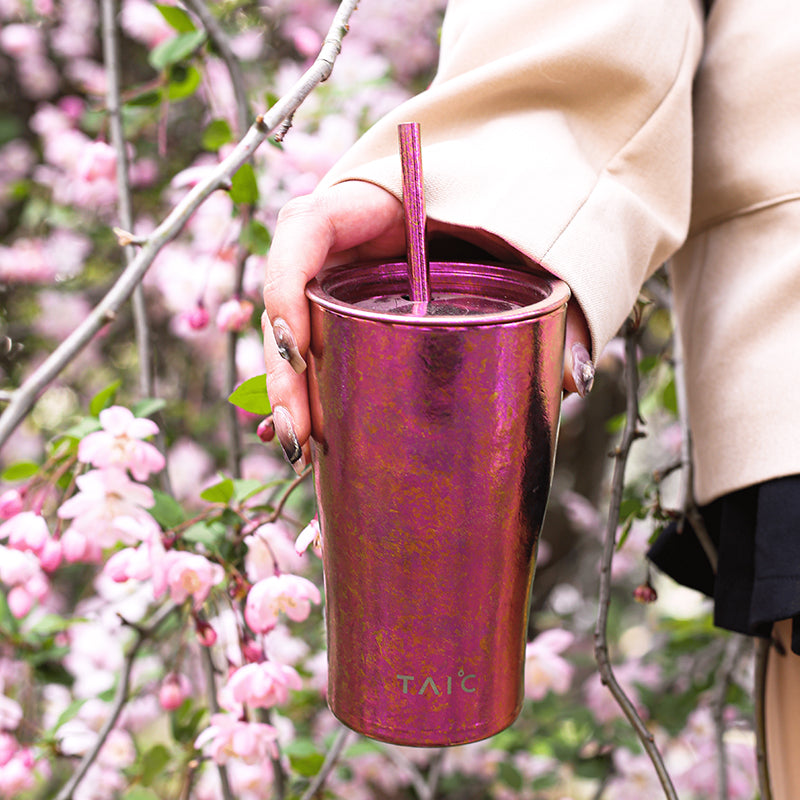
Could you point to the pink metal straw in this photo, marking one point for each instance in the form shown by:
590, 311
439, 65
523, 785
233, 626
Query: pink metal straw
414, 210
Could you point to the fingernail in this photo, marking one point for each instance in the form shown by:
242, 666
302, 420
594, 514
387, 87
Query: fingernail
287, 346
582, 369
284, 430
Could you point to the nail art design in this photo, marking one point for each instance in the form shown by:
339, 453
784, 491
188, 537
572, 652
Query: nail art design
582, 369
284, 430
287, 346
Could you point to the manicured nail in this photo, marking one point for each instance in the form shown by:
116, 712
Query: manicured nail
287, 346
284, 430
582, 369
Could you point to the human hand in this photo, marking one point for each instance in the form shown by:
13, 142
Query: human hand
349, 222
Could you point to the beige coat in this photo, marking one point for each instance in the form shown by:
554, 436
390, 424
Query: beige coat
566, 128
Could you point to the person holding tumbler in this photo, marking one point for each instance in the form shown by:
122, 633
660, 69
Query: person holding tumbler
599, 140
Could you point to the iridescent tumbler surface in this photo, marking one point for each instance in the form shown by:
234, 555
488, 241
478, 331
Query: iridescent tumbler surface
434, 437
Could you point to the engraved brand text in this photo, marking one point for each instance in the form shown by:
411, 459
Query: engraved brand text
446, 685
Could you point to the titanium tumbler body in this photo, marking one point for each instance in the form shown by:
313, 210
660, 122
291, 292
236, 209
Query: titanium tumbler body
434, 439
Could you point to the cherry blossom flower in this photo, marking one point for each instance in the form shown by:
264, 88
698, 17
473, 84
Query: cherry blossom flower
174, 689
264, 685
20, 40
107, 496
11, 503
269, 547
230, 738
545, 669
310, 536
142, 21
186, 575
98, 161
196, 318
636, 777
10, 713
22, 571
26, 531
234, 315
119, 444
17, 774
135, 563
8, 746
289, 594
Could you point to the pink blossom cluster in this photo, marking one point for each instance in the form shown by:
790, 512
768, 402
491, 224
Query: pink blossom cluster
269, 598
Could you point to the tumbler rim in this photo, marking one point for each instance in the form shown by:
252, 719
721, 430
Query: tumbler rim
494, 279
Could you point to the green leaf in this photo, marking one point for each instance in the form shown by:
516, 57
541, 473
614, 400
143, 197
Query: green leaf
153, 762
20, 471
216, 134
220, 492
304, 757
252, 396
245, 489
176, 49
83, 428
151, 97
256, 238
50, 624
183, 82
104, 398
69, 712
8, 622
185, 722
244, 188
177, 18
148, 406
509, 775
669, 398
140, 793
210, 534
167, 511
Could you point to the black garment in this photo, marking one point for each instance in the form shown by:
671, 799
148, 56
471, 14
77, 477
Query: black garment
757, 535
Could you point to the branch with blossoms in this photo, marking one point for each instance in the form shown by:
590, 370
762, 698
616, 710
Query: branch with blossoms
220, 177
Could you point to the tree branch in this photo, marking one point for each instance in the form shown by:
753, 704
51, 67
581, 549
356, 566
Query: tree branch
170, 227
221, 43
629, 436
331, 759
113, 104
213, 706
686, 501
120, 698
730, 660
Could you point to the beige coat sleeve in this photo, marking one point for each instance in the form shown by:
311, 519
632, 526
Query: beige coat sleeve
564, 127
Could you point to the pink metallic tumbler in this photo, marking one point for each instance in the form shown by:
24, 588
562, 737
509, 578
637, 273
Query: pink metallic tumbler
434, 443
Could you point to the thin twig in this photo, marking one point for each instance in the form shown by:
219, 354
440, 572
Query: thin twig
328, 765
120, 698
763, 647
210, 673
113, 103
26, 395
278, 510
629, 436
223, 47
686, 501
417, 778
724, 675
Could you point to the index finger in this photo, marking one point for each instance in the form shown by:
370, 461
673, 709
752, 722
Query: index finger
312, 228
